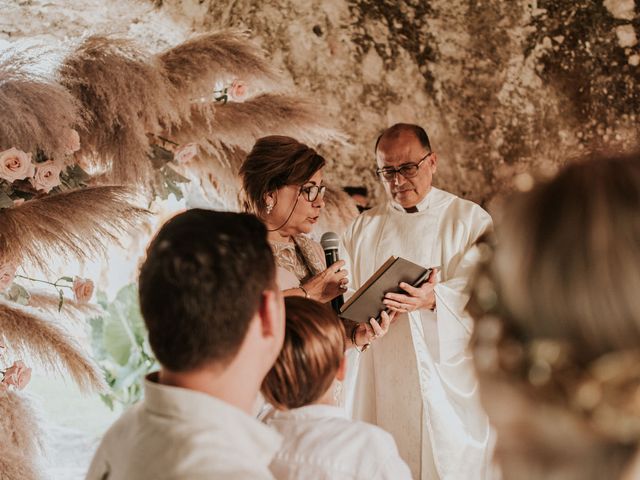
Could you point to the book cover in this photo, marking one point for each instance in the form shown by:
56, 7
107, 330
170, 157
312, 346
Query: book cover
366, 302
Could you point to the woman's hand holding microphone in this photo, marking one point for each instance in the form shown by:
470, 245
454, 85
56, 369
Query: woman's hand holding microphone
328, 284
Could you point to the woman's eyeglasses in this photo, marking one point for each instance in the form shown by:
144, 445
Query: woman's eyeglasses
408, 170
312, 192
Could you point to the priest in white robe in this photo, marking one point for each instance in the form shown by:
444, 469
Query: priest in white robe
417, 382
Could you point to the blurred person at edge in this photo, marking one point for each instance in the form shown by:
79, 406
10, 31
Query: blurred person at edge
319, 441
557, 335
282, 184
418, 382
215, 318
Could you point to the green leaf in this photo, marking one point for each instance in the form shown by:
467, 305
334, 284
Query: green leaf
170, 174
107, 400
120, 343
102, 299
66, 279
117, 341
5, 200
19, 294
61, 302
160, 156
78, 174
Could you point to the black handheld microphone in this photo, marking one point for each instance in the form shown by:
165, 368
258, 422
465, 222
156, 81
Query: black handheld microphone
330, 242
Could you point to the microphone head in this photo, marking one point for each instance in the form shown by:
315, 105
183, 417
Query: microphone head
330, 240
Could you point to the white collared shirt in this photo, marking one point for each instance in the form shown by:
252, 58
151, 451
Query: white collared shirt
176, 433
321, 443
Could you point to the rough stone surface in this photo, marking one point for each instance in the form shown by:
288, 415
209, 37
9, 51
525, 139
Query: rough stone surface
504, 87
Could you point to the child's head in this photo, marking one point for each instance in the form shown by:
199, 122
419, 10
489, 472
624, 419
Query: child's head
311, 357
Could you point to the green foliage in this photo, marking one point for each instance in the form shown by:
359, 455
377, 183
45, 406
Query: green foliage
121, 347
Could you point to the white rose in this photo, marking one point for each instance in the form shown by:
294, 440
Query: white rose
15, 165
185, 153
47, 176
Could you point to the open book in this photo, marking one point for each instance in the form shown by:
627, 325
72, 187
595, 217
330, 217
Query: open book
367, 303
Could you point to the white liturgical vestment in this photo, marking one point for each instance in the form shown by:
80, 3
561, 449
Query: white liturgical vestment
417, 382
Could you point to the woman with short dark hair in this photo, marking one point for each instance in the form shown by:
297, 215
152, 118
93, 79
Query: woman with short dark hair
282, 183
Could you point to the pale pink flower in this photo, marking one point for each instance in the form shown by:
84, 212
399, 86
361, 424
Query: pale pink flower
238, 91
7, 273
17, 375
15, 165
82, 289
185, 153
72, 141
47, 176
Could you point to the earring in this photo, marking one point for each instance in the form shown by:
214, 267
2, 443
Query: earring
337, 393
269, 208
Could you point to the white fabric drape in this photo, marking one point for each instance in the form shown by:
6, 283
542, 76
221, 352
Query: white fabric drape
418, 382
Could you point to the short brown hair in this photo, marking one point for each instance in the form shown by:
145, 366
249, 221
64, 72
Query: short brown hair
276, 161
201, 284
310, 358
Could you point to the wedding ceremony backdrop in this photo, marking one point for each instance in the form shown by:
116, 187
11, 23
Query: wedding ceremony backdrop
109, 107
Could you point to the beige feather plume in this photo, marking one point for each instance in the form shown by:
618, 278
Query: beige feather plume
37, 113
73, 225
14, 465
19, 430
71, 310
26, 331
239, 125
194, 66
128, 95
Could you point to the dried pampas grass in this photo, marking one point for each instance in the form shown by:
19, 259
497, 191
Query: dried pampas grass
74, 225
195, 66
239, 125
26, 331
19, 430
128, 95
71, 309
14, 465
37, 113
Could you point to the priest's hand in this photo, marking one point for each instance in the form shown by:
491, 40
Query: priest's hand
366, 333
421, 298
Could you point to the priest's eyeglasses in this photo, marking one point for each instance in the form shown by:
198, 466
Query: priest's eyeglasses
408, 170
312, 192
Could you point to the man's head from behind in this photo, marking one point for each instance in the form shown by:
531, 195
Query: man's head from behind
207, 286
398, 150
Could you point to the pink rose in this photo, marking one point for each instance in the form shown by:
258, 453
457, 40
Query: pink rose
15, 165
7, 272
185, 153
17, 375
47, 176
82, 289
238, 91
72, 142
